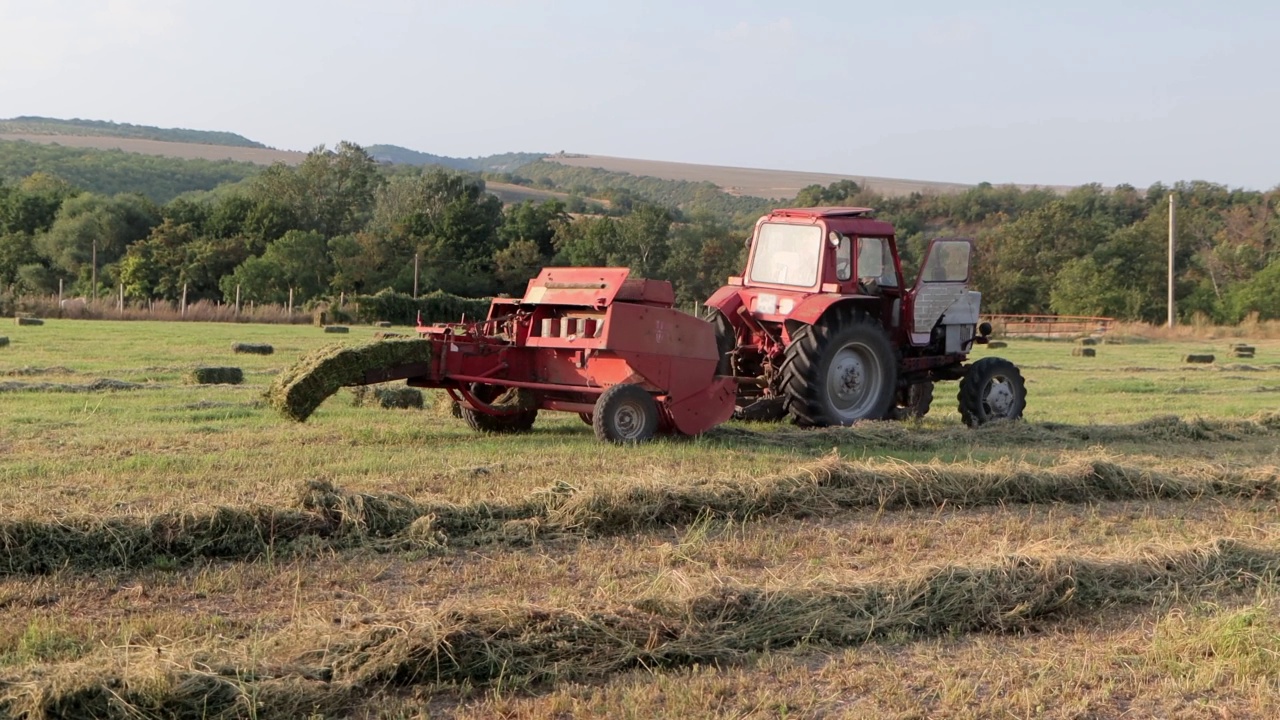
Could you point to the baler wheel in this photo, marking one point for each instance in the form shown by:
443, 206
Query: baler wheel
913, 402
840, 371
625, 413
991, 389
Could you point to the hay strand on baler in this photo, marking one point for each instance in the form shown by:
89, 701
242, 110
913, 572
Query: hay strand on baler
298, 391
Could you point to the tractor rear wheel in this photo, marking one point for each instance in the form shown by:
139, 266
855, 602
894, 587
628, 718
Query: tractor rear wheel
498, 396
913, 402
625, 413
991, 389
726, 339
839, 371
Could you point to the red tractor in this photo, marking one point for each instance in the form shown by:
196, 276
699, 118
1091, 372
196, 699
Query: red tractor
823, 327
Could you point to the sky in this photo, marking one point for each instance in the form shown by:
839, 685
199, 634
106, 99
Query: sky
1125, 91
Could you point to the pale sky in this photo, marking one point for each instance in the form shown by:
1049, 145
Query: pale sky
1029, 92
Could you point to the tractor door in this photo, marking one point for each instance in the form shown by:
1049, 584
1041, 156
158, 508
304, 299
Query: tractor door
944, 277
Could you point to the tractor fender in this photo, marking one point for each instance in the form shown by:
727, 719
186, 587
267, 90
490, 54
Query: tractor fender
727, 300
812, 308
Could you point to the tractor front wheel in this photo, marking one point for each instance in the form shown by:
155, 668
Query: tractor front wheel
991, 389
525, 406
839, 371
625, 414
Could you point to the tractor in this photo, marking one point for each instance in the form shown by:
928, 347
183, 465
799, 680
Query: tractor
822, 327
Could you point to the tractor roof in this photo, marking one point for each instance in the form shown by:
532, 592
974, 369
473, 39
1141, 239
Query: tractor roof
825, 212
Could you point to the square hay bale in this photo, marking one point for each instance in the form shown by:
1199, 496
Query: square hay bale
400, 398
4, 342
299, 390
340, 329
28, 321
1198, 359
1084, 352
252, 349
997, 344
215, 376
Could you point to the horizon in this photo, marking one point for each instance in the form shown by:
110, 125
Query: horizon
1031, 96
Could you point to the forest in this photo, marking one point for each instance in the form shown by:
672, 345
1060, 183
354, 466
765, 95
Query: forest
342, 222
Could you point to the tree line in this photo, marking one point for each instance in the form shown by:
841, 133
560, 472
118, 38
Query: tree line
342, 223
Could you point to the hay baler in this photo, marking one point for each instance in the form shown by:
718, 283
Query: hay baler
590, 341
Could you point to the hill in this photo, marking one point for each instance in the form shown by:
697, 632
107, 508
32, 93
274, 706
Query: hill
32, 125
503, 162
755, 182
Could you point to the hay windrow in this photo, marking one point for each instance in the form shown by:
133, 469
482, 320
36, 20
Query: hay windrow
531, 645
99, 385
215, 376
337, 519
299, 390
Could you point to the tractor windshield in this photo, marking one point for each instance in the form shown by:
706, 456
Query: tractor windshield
787, 254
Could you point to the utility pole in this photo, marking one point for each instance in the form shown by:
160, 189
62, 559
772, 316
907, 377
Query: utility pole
1173, 233
415, 276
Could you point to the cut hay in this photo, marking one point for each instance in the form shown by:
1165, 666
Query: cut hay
28, 321
299, 390
215, 376
1084, 352
1200, 359
252, 349
100, 385
997, 344
528, 645
4, 341
1087, 341
339, 329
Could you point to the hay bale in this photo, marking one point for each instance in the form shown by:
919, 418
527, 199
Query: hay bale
215, 376
299, 390
1201, 359
997, 344
28, 321
252, 349
404, 398
1087, 341
340, 329
382, 324
1084, 352
4, 342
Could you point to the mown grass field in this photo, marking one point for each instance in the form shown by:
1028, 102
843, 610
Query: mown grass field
173, 550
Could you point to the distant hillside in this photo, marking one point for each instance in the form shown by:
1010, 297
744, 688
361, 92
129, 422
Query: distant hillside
504, 162
30, 125
115, 171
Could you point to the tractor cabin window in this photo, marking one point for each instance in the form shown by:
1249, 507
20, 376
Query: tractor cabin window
787, 254
948, 261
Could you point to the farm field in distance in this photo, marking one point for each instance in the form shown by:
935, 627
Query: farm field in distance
175, 550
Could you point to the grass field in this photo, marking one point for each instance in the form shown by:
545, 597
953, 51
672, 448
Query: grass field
175, 550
